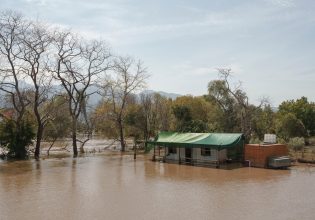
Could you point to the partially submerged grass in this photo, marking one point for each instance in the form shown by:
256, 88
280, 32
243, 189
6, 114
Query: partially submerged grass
306, 153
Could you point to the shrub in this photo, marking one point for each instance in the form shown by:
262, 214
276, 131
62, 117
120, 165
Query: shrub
296, 143
281, 141
16, 137
254, 140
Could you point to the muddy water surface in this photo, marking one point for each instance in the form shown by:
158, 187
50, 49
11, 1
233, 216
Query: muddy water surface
115, 187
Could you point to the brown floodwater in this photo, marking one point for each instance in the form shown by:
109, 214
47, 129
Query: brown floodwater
115, 187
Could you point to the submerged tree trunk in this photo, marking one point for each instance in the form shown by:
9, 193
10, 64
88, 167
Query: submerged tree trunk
38, 141
74, 137
121, 134
40, 130
40, 127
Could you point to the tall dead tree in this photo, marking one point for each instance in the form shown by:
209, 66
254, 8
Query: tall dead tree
78, 66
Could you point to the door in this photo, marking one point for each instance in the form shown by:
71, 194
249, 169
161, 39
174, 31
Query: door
188, 155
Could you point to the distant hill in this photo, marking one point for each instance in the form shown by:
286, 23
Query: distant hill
165, 94
95, 98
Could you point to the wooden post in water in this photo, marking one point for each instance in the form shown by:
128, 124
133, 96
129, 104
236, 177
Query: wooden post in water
153, 153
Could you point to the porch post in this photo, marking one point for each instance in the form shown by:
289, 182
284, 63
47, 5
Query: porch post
192, 156
159, 151
218, 158
179, 155
164, 154
153, 154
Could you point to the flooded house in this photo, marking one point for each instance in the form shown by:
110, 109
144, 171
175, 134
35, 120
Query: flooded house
204, 149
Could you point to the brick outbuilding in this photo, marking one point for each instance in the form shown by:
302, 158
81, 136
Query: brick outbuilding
257, 154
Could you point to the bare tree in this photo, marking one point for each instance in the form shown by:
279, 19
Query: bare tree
23, 49
12, 26
128, 77
36, 41
146, 102
156, 111
77, 67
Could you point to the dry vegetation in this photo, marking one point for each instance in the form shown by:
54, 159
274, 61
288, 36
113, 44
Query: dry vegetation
306, 153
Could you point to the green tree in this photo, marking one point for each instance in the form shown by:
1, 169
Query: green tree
220, 93
195, 114
104, 121
303, 110
288, 126
238, 113
183, 118
16, 138
196, 126
263, 121
185, 122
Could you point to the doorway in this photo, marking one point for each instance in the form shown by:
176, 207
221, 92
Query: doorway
188, 155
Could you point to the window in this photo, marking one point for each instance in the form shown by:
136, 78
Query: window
172, 150
206, 151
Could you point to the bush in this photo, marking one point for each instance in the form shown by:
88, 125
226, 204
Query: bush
296, 143
16, 137
281, 141
311, 141
254, 140
288, 126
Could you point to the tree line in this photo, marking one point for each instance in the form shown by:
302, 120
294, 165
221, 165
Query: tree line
224, 108
48, 75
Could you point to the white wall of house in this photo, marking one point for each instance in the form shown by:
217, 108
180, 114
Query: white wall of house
215, 155
196, 154
174, 156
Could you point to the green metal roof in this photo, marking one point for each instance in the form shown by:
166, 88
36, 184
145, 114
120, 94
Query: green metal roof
214, 140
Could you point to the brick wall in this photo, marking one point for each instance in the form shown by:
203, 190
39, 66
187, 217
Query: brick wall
258, 154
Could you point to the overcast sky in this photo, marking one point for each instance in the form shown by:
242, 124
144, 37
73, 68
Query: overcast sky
268, 44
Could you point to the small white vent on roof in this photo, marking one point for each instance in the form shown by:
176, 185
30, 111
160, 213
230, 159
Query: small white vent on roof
270, 139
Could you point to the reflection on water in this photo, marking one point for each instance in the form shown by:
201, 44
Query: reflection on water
115, 187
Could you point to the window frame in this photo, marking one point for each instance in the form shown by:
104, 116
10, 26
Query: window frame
172, 150
206, 151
